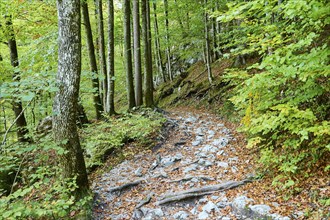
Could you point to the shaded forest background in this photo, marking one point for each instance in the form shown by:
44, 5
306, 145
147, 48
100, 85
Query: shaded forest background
263, 64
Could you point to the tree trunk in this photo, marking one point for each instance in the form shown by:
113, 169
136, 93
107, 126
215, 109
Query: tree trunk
137, 53
110, 106
103, 65
128, 54
148, 80
207, 45
92, 60
216, 54
21, 124
167, 38
157, 45
66, 99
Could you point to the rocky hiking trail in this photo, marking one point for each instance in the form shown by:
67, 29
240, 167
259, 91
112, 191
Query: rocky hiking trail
198, 172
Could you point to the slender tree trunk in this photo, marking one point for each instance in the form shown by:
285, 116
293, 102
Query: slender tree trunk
92, 60
214, 37
207, 46
103, 65
137, 53
66, 99
148, 80
167, 39
157, 45
128, 54
21, 124
110, 104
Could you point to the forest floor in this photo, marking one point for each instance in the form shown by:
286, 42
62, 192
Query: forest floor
201, 170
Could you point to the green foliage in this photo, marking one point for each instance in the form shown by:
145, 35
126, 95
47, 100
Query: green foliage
284, 99
37, 193
102, 138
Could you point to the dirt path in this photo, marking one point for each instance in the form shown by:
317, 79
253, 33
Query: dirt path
203, 155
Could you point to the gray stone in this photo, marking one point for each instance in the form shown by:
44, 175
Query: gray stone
234, 169
199, 131
138, 172
210, 136
209, 148
278, 217
214, 197
260, 209
182, 215
232, 159
154, 214
191, 119
199, 138
221, 142
192, 167
200, 154
221, 204
202, 200
225, 218
222, 164
168, 161
209, 207
119, 217
220, 152
160, 174
194, 211
196, 143
203, 215
240, 203
211, 132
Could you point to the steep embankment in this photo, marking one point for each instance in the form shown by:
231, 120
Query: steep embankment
192, 88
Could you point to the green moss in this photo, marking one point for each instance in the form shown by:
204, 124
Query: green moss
103, 138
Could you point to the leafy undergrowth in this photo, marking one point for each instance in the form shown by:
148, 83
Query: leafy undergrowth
105, 137
30, 184
31, 187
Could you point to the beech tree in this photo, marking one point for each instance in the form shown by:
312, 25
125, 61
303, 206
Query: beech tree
110, 105
146, 32
101, 46
66, 99
21, 124
92, 59
137, 53
128, 53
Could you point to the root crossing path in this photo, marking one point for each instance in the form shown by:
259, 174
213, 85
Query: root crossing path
198, 172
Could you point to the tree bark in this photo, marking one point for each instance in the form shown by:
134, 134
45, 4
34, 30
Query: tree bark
92, 60
167, 39
66, 99
103, 65
110, 106
157, 44
207, 46
146, 32
128, 54
21, 123
137, 53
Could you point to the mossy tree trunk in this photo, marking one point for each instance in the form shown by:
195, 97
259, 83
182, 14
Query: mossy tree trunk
66, 99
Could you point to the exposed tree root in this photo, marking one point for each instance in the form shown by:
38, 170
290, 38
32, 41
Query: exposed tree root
125, 186
197, 192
